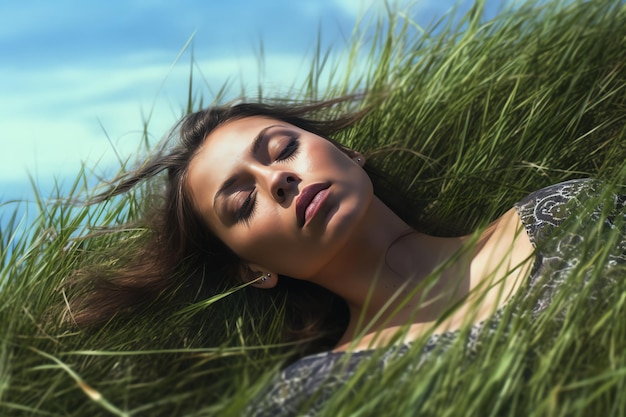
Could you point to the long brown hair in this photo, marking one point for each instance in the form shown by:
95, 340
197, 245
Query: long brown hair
181, 252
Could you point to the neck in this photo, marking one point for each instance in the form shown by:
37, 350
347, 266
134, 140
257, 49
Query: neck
381, 272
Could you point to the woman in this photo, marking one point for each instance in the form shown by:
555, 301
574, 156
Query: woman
261, 196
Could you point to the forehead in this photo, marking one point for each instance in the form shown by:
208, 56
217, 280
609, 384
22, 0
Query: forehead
230, 139
238, 130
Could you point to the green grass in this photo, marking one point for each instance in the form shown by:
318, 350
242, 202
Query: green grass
468, 116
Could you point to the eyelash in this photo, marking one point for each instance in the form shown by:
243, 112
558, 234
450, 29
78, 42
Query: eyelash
244, 214
290, 150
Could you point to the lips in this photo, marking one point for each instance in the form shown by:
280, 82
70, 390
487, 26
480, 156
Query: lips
306, 198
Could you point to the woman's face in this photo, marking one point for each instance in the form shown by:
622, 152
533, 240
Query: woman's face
283, 199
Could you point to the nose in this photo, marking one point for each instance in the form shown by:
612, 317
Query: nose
283, 185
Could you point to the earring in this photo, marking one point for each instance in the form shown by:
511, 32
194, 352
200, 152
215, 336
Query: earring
266, 277
358, 160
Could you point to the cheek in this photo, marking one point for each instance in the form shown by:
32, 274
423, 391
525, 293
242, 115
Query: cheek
275, 246
266, 240
325, 155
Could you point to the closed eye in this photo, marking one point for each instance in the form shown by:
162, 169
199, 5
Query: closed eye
245, 212
290, 150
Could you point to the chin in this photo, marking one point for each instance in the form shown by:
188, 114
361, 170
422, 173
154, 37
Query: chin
342, 221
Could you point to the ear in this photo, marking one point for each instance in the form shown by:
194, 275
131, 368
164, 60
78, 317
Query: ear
358, 158
258, 276
354, 155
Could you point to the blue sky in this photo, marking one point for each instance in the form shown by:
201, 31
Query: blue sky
76, 76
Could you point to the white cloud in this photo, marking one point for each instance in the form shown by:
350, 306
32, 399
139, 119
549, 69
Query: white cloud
51, 116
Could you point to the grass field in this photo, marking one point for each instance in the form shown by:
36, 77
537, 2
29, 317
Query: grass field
468, 116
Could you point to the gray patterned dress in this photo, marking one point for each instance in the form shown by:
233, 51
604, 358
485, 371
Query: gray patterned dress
303, 387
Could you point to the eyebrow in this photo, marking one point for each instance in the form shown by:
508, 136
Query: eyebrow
254, 150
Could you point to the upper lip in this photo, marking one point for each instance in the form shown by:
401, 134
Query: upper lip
305, 198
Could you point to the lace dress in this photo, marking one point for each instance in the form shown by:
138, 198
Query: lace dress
312, 379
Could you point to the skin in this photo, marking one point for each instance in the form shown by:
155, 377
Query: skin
354, 245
